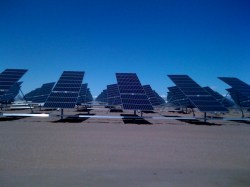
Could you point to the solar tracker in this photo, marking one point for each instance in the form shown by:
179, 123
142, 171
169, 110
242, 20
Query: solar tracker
132, 94
151, 95
42, 93
66, 90
199, 97
239, 99
113, 95
240, 89
8, 78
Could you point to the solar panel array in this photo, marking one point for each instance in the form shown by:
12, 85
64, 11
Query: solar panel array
154, 100
240, 91
8, 78
113, 95
200, 98
102, 97
66, 90
132, 94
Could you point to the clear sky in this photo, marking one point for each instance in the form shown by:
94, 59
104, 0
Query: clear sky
153, 38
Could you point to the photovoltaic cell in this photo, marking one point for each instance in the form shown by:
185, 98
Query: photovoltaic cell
178, 98
198, 96
66, 90
133, 96
102, 97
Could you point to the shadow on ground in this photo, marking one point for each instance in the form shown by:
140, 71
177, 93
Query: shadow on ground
198, 122
134, 119
74, 119
241, 121
12, 118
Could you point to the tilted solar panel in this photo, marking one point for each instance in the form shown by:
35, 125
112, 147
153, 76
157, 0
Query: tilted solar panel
82, 94
10, 95
113, 95
42, 93
178, 98
151, 95
219, 97
66, 90
132, 94
9, 78
199, 97
240, 88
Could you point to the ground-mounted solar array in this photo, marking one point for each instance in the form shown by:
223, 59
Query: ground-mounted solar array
102, 97
66, 90
132, 94
199, 97
8, 80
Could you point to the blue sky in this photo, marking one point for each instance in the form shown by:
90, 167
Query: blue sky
204, 39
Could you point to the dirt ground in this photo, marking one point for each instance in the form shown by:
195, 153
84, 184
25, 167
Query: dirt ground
93, 152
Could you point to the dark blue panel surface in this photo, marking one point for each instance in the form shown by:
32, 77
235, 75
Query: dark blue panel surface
8, 78
197, 95
66, 91
132, 94
113, 95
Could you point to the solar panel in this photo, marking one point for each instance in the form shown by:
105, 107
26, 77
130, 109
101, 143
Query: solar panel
66, 90
239, 99
89, 96
151, 95
132, 94
42, 93
241, 90
29, 96
113, 95
162, 101
10, 95
199, 97
178, 98
8, 78
219, 97
102, 97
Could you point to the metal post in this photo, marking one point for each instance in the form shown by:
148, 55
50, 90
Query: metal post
26, 100
205, 117
135, 112
61, 113
141, 113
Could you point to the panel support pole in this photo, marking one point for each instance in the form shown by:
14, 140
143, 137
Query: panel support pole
205, 117
61, 113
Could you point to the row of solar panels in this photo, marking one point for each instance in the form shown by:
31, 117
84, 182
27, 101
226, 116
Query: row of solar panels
66, 93
128, 92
